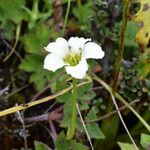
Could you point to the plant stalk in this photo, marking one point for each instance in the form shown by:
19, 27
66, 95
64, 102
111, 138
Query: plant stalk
121, 45
66, 17
71, 129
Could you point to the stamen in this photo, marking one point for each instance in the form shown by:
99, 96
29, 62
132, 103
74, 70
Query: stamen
73, 58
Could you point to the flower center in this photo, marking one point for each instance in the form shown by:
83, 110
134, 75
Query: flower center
72, 58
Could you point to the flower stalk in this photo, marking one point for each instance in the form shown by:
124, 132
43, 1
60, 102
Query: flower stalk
121, 44
66, 17
71, 129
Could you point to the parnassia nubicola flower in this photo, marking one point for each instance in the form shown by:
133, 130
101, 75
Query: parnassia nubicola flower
72, 55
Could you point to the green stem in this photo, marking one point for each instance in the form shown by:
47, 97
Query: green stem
79, 3
121, 44
71, 130
66, 17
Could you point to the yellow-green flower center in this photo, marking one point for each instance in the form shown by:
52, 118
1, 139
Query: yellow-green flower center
72, 58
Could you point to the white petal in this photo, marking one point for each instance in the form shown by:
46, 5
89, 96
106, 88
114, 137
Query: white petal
75, 43
78, 71
60, 47
93, 50
53, 62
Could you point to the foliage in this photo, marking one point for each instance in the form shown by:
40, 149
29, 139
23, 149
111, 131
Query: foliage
142, 17
40, 146
131, 83
62, 143
145, 143
99, 20
126, 146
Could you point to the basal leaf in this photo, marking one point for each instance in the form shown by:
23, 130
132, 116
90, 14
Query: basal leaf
37, 39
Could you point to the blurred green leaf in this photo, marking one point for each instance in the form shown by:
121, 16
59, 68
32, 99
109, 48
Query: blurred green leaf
85, 93
9, 29
67, 114
62, 144
83, 14
144, 63
11, 10
130, 34
37, 39
34, 65
78, 146
31, 63
145, 141
92, 114
95, 131
126, 146
40, 146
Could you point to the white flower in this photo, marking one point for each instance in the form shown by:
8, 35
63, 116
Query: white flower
72, 54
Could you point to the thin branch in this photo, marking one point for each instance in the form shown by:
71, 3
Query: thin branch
53, 131
84, 126
112, 113
16, 91
27, 105
52, 116
120, 116
21, 119
10, 47
120, 98
18, 29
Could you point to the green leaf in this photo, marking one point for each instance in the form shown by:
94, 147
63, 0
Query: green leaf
110, 127
94, 131
79, 125
126, 146
61, 142
92, 114
34, 64
60, 85
130, 34
11, 10
31, 63
78, 146
85, 92
145, 141
9, 29
40, 146
40, 78
37, 39
67, 114
83, 14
